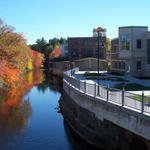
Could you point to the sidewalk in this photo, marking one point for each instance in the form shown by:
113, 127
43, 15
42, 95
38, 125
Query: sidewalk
80, 75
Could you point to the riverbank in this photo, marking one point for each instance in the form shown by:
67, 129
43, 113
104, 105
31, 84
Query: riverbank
101, 133
102, 108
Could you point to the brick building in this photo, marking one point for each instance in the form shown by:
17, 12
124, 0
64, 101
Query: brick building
82, 47
117, 64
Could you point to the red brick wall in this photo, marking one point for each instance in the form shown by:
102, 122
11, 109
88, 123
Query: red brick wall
77, 46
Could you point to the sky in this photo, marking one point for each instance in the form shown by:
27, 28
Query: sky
72, 18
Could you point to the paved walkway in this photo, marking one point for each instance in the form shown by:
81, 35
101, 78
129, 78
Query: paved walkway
80, 75
114, 95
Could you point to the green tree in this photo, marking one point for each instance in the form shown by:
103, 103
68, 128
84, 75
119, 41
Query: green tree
54, 41
108, 44
41, 44
62, 41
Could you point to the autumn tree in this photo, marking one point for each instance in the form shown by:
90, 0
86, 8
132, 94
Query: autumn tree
47, 47
55, 53
15, 55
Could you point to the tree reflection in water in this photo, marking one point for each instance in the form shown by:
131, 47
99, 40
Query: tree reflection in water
14, 111
52, 82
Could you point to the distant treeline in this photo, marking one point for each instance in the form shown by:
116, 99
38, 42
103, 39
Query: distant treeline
47, 48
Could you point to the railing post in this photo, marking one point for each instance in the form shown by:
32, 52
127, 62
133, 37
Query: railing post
85, 86
95, 89
123, 96
98, 90
142, 102
108, 93
79, 85
71, 72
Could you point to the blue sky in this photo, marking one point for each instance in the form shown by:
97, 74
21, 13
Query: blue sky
72, 18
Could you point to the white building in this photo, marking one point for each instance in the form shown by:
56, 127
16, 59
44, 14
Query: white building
102, 32
64, 50
130, 53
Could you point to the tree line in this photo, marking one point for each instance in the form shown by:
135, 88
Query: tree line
47, 48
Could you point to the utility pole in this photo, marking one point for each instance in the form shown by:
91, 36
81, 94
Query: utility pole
98, 63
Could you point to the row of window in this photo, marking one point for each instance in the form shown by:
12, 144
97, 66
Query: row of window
86, 52
121, 65
125, 45
125, 42
118, 65
83, 42
86, 42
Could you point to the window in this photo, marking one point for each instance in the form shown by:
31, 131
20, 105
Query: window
148, 51
125, 42
101, 42
86, 52
123, 65
75, 53
138, 65
73, 42
101, 52
86, 42
139, 43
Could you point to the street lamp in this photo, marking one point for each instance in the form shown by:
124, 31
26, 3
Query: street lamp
102, 45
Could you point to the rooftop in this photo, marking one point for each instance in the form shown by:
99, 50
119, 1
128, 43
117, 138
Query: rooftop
81, 37
115, 39
99, 29
134, 27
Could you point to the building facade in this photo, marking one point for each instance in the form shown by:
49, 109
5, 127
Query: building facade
130, 52
58, 67
90, 64
82, 47
64, 50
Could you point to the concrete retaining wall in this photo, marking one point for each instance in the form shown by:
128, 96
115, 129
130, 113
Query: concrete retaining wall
133, 122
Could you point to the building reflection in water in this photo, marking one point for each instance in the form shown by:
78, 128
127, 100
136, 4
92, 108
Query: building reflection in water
52, 82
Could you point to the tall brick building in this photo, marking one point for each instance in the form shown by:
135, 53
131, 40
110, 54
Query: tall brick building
82, 47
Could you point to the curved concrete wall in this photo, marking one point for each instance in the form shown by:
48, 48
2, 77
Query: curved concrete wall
132, 121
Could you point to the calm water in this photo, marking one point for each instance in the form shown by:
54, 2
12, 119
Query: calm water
30, 118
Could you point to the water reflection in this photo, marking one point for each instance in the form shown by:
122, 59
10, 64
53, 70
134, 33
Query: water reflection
31, 119
15, 116
14, 110
52, 82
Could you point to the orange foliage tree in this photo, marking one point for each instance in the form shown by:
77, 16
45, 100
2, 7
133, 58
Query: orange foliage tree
37, 59
9, 74
15, 55
55, 53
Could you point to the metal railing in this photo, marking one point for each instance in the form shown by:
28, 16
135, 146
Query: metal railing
120, 97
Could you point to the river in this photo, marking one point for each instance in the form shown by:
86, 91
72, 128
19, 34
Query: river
30, 118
